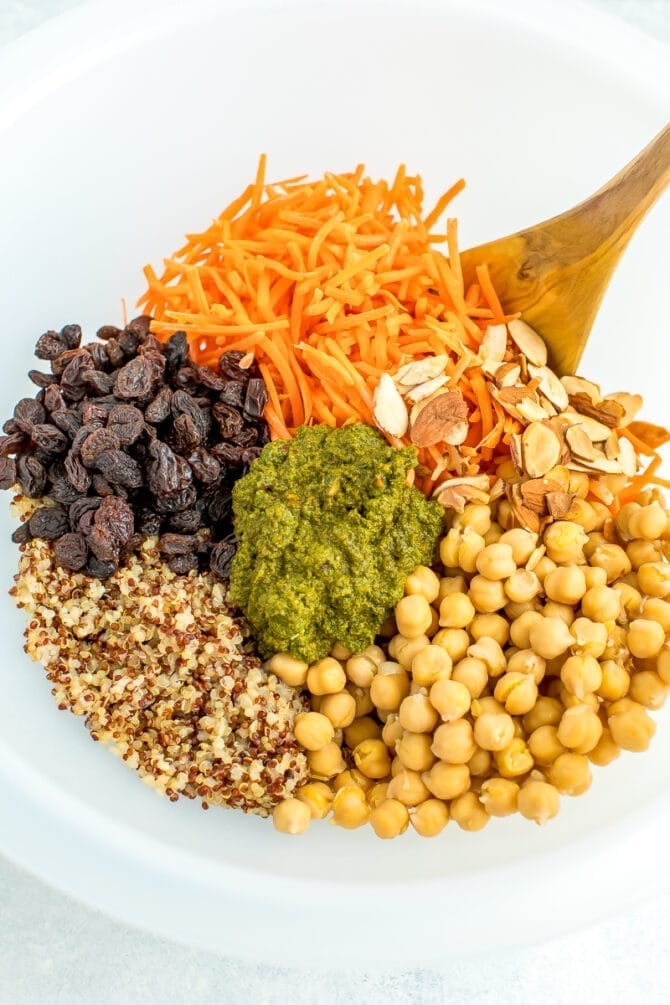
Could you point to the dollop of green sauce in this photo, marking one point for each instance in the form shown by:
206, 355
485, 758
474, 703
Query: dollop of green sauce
328, 531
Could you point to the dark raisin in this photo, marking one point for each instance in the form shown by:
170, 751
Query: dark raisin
22, 534
71, 336
77, 474
67, 421
210, 379
77, 362
42, 379
96, 443
63, 492
49, 522
50, 345
255, 400
220, 508
166, 472
28, 413
49, 438
115, 517
159, 409
127, 422
10, 427
99, 355
129, 342
229, 364
97, 569
185, 523
222, 555
233, 394
177, 502
176, 544
102, 486
181, 565
227, 454
186, 378
247, 437
176, 351
115, 353
7, 472
185, 435
71, 551
205, 467
80, 508
148, 522
140, 326
53, 399
229, 421
134, 380
107, 332
249, 455
12, 444
101, 383
119, 469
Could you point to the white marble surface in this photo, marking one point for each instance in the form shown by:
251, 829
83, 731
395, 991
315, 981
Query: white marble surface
53, 950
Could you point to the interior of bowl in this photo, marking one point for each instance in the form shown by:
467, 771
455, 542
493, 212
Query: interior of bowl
111, 168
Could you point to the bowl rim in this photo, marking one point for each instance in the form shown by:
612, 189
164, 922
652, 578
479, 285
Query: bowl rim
33, 67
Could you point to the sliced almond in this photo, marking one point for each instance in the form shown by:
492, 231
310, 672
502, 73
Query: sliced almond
513, 395
422, 391
610, 413
631, 404
602, 464
578, 385
493, 347
421, 370
531, 411
457, 497
541, 449
497, 489
525, 517
596, 431
535, 491
627, 457
528, 341
390, 411
547, 405
580, 443
612, 446
550, 386
440, 419
558, 504
481, 482
507, 375
516, 452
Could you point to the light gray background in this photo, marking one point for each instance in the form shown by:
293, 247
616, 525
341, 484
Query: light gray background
52, 950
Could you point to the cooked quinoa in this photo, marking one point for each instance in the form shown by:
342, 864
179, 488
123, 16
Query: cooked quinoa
157, 665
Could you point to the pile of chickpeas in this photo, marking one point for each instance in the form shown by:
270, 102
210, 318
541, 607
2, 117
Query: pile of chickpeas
501, 679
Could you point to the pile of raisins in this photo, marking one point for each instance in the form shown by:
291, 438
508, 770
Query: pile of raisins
127, 437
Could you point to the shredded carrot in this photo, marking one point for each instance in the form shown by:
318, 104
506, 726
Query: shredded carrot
326, 284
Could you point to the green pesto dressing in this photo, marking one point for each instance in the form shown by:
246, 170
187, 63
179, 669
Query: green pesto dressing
328, 531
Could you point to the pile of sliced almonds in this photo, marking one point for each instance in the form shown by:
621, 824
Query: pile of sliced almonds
566, 424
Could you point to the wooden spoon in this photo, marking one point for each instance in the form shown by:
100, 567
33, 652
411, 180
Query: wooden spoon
556, 273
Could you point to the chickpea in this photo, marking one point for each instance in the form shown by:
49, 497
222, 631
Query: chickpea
647, 688
430, 818
565, 585
489, 652
361, 669
520, 629
517, 692
417, 714
377, 794
499, 796
469, 549
594, 576
544, 745
581, 675
363, 702
447, 781
582, 513
613, 559
291, 671
454, 641
579, 729
392, 732
563, 612
430, 665
413, 615
590, 637
488, 703
564, 541
654, 579
450, 698
493, 534
451, 584
449, 546
389, 819
645, 638
538, 801
543, 567
340, 709
648, 522
549, 637
569, 700
456, 611
473, 673
434, 623
514, 611
364, 728
663, 665
476, 516
487, 595
408, 787
526, 661
318, 797
326, 762
570, 774
494, 732
615, 681
423, 582
291, 816
655, 609
313, 730
546, 712
454, 742
468, 812
505, 514
480, 763
389, 687
491, 626
522, 542
514, 760
372, 758
350, 807
326, 676
605, 750
349, 777
616, 648
643, 553
496, 561
522, 586
413, 750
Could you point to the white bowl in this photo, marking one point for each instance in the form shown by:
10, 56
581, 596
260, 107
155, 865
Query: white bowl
121, 130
